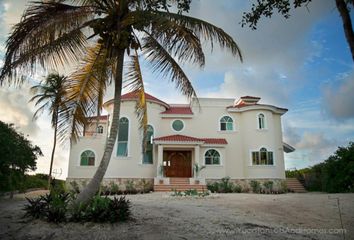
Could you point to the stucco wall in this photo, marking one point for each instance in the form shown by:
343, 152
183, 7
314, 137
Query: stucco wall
204, 123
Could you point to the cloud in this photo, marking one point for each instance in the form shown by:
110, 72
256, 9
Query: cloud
338, 100
14, 108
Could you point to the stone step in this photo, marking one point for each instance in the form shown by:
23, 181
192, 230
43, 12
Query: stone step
295, 185
180, 187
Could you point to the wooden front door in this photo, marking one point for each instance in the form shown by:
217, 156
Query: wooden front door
178, 164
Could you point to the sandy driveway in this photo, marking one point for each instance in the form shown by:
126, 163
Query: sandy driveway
226, 216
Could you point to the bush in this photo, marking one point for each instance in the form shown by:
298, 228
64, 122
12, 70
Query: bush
53, 207
237, 189
256, 186
268, 186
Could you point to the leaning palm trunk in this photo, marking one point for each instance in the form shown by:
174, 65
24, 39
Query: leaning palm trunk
91, 189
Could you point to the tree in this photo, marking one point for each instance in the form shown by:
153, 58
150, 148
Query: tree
268, 7
50, 94
100, 34
17, 155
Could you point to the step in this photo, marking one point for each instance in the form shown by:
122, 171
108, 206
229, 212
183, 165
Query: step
295, 185
172, 187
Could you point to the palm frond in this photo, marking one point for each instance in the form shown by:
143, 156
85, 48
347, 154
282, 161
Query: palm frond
134, 81
164, 64
85, 90
205, 30
48, 30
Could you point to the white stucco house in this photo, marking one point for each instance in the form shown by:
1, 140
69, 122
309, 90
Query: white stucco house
241, 139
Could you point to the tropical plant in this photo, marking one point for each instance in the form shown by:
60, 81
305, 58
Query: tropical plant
99, 35
198, 169
50, 95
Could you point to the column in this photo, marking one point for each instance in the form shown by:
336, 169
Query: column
159, 159
196, 157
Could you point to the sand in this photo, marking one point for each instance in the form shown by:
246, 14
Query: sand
220, 216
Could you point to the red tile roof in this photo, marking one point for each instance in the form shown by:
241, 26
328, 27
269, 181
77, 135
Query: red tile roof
178, 110
103, 117
133, 96
250, 97
183, 138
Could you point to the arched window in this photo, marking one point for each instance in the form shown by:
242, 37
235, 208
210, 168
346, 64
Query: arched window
147, 157
123, 135
261, 121
226, 124
87, 158
100, 129
212, 157
262, 157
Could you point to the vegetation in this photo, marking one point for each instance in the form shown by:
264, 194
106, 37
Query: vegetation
50, 95
197, 169
58, 207
266, 8
18, 156
334, 175
189, 192
99, 35
256, 186
224, 186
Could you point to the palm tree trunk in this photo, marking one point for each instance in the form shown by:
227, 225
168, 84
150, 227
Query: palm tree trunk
347, 24
53, 151
93, 186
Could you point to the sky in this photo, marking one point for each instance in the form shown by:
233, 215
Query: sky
302, 63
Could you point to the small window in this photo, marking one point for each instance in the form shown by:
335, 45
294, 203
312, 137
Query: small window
100, 129
147, 157
212, 157
262, 157
177, 125
87, 158
261, 121
122, 150
226, 124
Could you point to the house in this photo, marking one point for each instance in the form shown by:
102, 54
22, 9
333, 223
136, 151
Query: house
241, 139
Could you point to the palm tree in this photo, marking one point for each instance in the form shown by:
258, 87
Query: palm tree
50, 94
100, 34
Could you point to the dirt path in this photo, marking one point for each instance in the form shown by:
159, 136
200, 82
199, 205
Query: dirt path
227, 216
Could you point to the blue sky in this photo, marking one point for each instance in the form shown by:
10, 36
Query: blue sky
303, 64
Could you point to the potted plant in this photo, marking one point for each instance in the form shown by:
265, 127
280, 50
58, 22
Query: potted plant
197, 170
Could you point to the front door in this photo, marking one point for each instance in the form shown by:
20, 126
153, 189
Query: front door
178, 164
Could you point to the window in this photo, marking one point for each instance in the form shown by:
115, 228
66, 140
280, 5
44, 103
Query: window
261, 121
100, 129
147, 156
177, 125
212, 157
122, 150
226, 124
262, 157
87, 158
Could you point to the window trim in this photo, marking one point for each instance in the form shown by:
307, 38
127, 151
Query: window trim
87, 149
128, 142
258, 150
213, 165
264, 121
171, 125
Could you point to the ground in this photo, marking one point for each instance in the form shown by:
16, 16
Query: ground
223, 216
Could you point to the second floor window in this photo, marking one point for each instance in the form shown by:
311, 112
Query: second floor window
261, 121
226, 124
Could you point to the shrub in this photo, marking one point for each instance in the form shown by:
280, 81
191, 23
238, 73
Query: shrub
114, 188
256, 186
53, 207
130, 188
145, 186
213, 187
225, 185
236, 188
268, 186
74, 187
